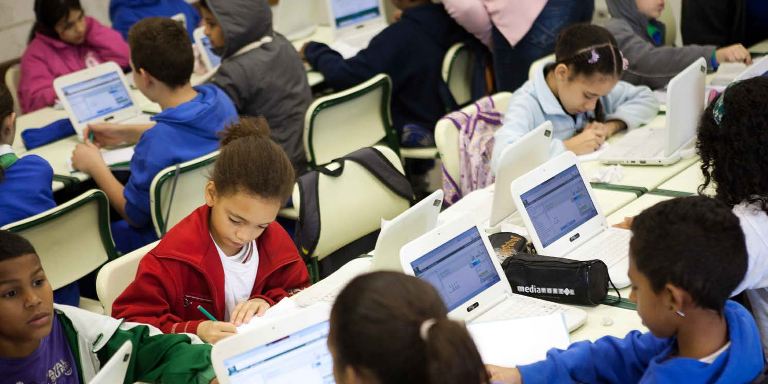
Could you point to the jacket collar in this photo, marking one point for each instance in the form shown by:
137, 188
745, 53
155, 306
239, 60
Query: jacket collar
549, 103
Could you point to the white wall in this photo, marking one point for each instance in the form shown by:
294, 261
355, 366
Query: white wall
17, 16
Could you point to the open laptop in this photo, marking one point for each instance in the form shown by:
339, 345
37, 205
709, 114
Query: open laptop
459, 261
295, 19
98, 94
115, 369
354, 23
525, 154
663, 146
293, 350
203, 45
559, 210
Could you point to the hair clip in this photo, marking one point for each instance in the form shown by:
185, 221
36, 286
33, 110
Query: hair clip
718, 111
624, 62
594, 57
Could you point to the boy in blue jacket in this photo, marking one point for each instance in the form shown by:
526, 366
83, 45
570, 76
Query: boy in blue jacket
686, 257
125, 13
162, 61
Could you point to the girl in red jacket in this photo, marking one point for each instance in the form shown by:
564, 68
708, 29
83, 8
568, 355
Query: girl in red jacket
230, 256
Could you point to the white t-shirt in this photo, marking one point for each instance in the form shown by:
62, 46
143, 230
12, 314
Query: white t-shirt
711, 358
754, 223
239, 275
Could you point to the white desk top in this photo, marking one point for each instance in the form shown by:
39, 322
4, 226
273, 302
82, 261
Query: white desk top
323, 34
761, 47
688, 181
634, 208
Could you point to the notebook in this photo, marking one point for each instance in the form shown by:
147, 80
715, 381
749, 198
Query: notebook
354, 23
203, 45
559, 210
115, 369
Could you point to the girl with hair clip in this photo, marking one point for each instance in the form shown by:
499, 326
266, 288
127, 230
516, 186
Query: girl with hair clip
580, 93
64, 40
229, 256
389, 328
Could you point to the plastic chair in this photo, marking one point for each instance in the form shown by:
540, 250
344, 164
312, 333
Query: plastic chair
189, 195
447, 136
538, 62
72, 240
12, 79
116, 275
458, 65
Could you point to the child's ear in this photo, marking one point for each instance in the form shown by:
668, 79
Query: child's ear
561, 72
674, 297
145, 77
210, 194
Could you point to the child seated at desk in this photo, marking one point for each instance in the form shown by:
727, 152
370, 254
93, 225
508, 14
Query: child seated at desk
260, 70
389, 328
162, 61
41, 342
63, 40
686, 256
125, 13
580, 93
229, 256
641, 36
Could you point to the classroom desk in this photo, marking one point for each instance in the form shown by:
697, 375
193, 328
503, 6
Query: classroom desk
761, 47
686, 182
634, 208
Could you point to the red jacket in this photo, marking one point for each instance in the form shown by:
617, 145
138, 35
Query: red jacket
185, 271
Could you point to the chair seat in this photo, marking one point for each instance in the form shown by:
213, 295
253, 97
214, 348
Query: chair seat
289, 213
419, 153
91, 305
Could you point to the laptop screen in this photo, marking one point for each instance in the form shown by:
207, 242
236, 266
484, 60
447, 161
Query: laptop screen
559, 205
348, 12
459, 269
97, 97
215, 60
302, 357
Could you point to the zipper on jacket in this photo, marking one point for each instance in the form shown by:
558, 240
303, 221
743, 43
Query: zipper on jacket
188, 302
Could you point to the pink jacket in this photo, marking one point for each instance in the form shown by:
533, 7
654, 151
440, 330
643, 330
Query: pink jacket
47, 58
513, 18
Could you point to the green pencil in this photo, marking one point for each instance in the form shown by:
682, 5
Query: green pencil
206, 313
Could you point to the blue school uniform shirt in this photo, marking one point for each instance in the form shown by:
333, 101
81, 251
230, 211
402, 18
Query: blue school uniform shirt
643, 358
125, 13
181, 134
26, 188
534, 103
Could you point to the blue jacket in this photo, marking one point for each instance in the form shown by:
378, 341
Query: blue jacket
26, 189
534, 103
125, 13
181, 134
643, 358
411, 52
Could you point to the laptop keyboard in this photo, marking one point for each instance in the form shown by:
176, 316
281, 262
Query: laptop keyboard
643, 145
519, 306
611, 247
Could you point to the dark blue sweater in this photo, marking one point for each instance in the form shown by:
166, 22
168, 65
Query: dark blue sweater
125, 13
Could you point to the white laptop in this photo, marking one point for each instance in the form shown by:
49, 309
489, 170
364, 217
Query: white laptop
758, 68
563, 219
98, 94
293, 350
664, 146
354, 23
525, 154
295, 19
115, 369
459, 261
203, 45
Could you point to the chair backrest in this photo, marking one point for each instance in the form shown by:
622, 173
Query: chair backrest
116, 275
353, 204
73, 239
190, 191
447, 136
12, 79
458, 65
538, 62
341, 123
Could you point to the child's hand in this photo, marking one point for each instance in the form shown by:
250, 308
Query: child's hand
87, 158
215, 381
244, 312
301, 51
213, 331
504, 375
626, 224
105, 134
585, 142
733, 54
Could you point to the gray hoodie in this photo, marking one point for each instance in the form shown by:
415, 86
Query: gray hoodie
649, 64
268, 81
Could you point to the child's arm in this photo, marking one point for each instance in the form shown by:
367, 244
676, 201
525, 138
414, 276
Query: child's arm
607, 360
291, 277
36, 84
472, 15
87, 158
634, 105
107, 43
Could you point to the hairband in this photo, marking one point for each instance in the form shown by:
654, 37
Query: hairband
718, 111
594, 57
425, 327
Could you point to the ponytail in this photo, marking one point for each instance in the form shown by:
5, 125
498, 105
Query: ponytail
452, 357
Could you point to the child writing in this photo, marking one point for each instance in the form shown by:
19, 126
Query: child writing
162, 61
641, 39
229, 256
63, 40
389, 328
41, 342
580, 93
686, 255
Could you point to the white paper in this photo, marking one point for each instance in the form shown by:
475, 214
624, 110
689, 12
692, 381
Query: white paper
727, 72
608, 174
286, 307
345, 50
115, 156
514, 342
594, 155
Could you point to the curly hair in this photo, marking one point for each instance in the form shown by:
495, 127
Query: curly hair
734, 154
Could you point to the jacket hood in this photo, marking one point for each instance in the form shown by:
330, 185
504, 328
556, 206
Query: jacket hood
242, 21
627, 10
435, 22
199, 113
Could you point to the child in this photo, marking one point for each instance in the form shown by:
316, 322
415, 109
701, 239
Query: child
580, 93
162, 61
45, 343
641, 39
63, 40
230, 255
125, 13
686, 256
411, 52
260, 70
389, 328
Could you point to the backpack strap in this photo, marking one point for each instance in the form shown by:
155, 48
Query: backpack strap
164, 228
383, 170
307, 231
